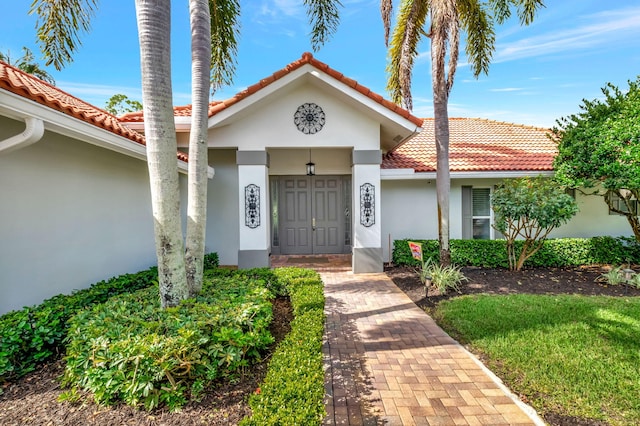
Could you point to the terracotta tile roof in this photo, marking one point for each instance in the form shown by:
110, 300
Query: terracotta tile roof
32, 88
477, 145
307, 58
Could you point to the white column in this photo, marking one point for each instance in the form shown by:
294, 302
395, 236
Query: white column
367, 234
253, 186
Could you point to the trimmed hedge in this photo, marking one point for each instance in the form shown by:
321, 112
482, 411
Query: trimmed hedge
293, 390
554, 253
34, 334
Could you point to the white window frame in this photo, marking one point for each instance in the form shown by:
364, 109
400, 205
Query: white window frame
490, 217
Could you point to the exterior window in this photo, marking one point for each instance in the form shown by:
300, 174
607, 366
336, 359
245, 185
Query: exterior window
619, 203
481, 208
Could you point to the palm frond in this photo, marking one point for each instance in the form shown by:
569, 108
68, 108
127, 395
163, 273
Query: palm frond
477, 23
225, 34
454, 43
324, 17
526, 9
445, 33
407, 34
59, 23
386, 10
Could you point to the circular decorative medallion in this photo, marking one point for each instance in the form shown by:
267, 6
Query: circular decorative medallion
309, 118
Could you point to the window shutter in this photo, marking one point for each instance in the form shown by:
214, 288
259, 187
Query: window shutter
467, 213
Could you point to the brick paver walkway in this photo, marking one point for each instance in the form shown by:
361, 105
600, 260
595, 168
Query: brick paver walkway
388, 363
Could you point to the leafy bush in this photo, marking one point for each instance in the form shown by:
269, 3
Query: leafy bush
615, 276
441, 277
130, 349
35, 334
293, 389
554, 252
211, 261
529, 209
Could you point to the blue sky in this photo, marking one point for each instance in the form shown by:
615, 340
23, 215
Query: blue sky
538, 74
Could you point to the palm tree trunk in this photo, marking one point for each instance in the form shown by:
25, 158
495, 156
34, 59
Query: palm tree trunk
441, 130
198, 142
154, 29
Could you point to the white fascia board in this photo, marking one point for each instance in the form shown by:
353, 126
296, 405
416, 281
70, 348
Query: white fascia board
219, 118
410, 174
183, 124
405, 174
364, 100
312, 72
17, 107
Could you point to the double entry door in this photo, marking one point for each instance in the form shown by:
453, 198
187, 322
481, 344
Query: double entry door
314, 214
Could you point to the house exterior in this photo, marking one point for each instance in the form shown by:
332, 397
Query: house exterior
76, 205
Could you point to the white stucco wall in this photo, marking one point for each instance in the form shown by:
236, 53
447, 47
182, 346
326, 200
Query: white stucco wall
269, 123
222, 207
593, 219
409, 210
328, 161
71, 214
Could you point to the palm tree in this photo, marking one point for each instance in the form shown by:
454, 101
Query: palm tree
59, 24
448, 17
28, 64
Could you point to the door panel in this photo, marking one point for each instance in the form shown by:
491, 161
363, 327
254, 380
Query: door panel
296, 223
326, 194
313, 221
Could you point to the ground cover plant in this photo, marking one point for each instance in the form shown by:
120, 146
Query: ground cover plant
131, 349
567, 343
296, 375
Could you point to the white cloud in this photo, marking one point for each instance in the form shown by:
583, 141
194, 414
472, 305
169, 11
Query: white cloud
596, 30
272, 11
98, 94
507, 89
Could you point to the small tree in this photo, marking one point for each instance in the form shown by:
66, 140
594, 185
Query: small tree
529, 209
600, 148
119, 104
27, 63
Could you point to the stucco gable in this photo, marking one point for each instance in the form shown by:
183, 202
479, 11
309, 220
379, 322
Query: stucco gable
396, 123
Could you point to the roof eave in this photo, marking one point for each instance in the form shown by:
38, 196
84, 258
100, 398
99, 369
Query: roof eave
395, 127
18, 107
411, 174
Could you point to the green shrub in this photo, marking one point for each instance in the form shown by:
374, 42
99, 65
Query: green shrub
35, 334
441, 277
293, 390
555, 252
211, 261
130, 349
615, 276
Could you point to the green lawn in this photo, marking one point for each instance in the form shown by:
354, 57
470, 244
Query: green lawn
574, 355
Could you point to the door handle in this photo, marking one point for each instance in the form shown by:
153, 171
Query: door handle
313, 223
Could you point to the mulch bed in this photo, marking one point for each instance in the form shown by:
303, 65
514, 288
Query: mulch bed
32, 400
580, 280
